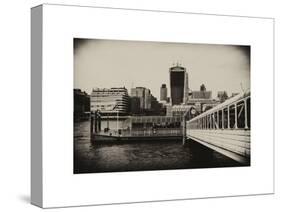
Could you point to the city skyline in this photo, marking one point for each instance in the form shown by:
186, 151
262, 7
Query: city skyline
124, 77
113, 63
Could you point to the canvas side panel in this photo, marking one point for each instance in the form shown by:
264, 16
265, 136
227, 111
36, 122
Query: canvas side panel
36, 105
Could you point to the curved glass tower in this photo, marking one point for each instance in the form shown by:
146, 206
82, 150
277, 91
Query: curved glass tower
179, 85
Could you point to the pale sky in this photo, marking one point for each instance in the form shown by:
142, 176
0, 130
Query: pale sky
114, 63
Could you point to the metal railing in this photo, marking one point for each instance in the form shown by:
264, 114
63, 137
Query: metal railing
152, 132
144, 132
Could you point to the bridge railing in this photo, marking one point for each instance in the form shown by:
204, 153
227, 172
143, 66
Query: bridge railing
232, 114
224, 128
152, 132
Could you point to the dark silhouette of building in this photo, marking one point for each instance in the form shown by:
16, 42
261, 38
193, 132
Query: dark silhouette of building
144, 103
222, 96
202, 87
163, 93
144, 96
179, 85
156, 107
168, 99
135, 105
81, 103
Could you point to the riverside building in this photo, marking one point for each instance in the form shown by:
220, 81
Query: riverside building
110, 101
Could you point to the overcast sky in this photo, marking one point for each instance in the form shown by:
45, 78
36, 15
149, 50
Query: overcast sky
112, 63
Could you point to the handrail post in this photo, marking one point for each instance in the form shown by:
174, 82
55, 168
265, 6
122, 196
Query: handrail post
91, 125
218, 119
222, 118
236, 124
228, 117
184, 131
203, 123
246, 117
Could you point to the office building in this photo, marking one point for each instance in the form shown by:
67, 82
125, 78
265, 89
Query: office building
179, 85
222, 96
202, 99
144, 96
135, 105
163, 92
201, 94
110, 101
147, 99
81, 104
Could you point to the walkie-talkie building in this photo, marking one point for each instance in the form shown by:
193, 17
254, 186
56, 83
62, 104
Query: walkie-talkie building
179, 85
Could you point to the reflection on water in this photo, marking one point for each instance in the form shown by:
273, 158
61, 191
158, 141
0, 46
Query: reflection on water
152, 155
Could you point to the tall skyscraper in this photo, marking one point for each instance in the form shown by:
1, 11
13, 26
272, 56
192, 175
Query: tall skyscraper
147, 99
179, 85
144, 95
139, 92
163, 93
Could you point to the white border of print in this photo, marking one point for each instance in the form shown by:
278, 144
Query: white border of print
63, 188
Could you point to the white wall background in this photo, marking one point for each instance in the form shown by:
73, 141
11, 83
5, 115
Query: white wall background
15, 103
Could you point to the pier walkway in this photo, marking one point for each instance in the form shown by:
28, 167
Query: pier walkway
225, 128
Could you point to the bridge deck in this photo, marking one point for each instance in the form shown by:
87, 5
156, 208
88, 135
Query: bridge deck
233, 143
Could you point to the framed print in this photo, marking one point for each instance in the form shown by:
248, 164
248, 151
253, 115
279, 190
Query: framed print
134, 105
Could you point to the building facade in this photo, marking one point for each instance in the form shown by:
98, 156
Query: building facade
110, 101
179, 85
147, 99
222, 96
139, 92
144, 96
163, 92
202, 93
135, 105
202, 99
144, 103
81, 103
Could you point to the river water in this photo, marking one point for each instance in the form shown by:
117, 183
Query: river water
141, 156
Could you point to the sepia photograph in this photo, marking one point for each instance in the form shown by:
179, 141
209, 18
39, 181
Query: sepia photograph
150, 105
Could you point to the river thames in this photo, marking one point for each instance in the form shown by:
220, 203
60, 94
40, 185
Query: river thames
141, 156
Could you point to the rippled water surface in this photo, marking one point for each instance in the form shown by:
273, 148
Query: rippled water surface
141, 156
